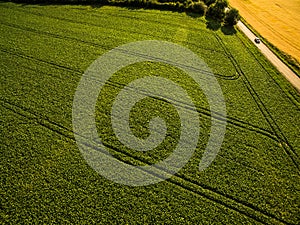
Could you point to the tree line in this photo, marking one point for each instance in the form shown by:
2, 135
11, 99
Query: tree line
215, 9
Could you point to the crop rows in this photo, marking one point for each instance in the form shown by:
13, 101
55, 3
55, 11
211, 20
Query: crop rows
280, 136
45, 49
213, 55
183, 181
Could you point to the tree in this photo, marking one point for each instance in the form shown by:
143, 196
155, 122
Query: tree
209, 2
198, 7
217, 10
232, 17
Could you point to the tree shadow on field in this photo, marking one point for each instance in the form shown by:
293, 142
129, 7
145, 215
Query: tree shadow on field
228, 30
193, 15
213, 24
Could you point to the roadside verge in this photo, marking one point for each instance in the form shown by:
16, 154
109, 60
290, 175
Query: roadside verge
282, 68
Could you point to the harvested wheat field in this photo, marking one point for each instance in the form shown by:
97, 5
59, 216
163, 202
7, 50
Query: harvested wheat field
276, 20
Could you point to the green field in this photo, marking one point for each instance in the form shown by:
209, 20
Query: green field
44, 51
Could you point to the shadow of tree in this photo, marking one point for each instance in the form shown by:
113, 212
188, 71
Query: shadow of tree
194, 15
212, 24
228, 30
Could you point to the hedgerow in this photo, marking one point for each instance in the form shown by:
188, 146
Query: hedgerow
216, 8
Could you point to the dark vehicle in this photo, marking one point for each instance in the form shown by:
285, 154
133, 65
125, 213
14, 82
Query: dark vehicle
257, 40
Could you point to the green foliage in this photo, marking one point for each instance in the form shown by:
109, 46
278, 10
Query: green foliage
217, 9
232, 17
198, 7
209, 2
44, 51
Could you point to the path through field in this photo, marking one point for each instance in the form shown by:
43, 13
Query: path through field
285, 70
276, 20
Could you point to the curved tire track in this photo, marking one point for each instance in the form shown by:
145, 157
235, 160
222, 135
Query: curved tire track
202, 190
275, 128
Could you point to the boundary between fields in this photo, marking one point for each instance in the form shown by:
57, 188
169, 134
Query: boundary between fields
284, 69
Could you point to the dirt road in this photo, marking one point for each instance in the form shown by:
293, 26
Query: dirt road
278, 21
285, 70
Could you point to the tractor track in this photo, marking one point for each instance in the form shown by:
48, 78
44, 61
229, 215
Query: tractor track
248, 209
202, 110
275, 128
230, 77
119, 29
290, 97
233, 203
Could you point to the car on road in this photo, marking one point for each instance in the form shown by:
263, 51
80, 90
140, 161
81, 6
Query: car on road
257, 40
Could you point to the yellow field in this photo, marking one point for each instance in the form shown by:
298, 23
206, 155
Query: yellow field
276, 20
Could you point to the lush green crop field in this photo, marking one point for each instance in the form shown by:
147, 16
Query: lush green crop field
45, 50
